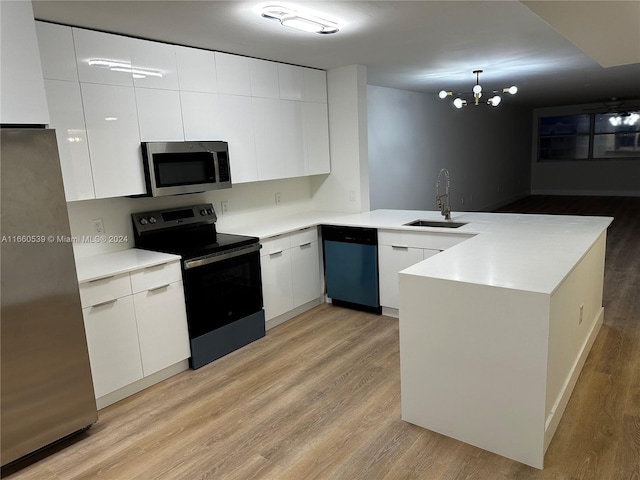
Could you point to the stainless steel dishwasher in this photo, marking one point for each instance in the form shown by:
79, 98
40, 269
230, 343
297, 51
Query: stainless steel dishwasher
351, 266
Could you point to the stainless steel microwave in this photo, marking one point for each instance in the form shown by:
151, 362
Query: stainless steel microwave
175, 168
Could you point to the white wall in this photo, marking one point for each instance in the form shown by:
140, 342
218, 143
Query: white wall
593, 177
413, 135
346, 189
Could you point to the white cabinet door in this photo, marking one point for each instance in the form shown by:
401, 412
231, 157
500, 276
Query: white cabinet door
196, 70
315, 85
114, 142
391, 260
159, 115
112, 339
162, 327
201, 116
57, 53
277, 287
67, 118
305, 272
22, 96
154, 65
233, 74
292, 147
291, 81
95, 51
315, 121
267, 128
237, 130
264, 78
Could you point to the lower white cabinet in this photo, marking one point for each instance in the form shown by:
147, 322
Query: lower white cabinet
290, 266
136, 325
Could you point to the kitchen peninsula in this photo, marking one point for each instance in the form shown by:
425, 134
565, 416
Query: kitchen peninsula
494, 329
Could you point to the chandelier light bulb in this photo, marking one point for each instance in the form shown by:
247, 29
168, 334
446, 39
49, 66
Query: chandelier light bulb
494, 101
443, 93
459, 103
477, 89
512, 90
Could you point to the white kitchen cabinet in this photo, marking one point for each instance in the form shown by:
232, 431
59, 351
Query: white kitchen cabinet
161, 316
268, 143
233, 74
57, 52
315, 85
264, 78
22, 95
196, 70
290, 271
291, 81
277, 284
237, 130
114, 141
292, 142
67, 118
315, 124
305, 266
201, 116
112, 340
154, 64
98, 48
159, 115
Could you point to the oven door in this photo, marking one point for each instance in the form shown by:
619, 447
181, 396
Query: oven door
222, 289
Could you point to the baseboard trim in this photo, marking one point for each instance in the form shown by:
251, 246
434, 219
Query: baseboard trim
275, 321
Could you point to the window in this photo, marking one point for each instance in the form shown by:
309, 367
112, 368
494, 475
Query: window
589, 136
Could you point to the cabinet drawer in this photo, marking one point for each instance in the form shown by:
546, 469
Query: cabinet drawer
274, 245
432, 240
304, 237
155, 277
104, 290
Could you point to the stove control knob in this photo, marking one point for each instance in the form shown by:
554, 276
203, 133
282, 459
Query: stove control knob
203, 212
152, 220
143, 221
210, 211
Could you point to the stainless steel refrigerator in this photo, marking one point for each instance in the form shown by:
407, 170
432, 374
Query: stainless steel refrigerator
47, 389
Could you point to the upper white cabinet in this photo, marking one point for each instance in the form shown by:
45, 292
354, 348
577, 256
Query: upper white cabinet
22, 95
315, 85
291, 79
264, 78
233, 74
114, 142
67, 118
154, 65
103, 58
159, 115
315, 121
201, 116
196, 70
57, 52
292, 148
237, 130
268, 138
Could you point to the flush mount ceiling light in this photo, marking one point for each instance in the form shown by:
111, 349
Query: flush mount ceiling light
299, 20
116, 66
476, 94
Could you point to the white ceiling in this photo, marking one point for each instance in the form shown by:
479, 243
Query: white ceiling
413, 45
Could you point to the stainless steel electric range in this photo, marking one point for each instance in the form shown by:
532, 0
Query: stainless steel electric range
221, 273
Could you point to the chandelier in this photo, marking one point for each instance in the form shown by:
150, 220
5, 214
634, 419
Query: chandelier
476, 94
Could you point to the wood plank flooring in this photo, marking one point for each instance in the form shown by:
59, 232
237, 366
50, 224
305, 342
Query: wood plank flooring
319, 398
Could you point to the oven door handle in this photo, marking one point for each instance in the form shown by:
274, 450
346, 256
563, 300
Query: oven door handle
199, 262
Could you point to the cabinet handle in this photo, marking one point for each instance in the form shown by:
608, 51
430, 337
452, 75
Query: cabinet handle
104, 303
403, 247
156, 267
158, 288
302, 245
275, 253
101, 279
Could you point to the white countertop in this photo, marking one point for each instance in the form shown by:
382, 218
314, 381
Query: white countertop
517, 251
115, 263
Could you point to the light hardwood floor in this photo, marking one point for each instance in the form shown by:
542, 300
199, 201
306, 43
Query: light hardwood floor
319, 398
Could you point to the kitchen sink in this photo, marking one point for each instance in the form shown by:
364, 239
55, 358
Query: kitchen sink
435, 223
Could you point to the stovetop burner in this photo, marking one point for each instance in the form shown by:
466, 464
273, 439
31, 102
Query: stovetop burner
186, 231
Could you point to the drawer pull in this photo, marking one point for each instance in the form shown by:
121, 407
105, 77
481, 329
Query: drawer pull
101, 279
305, 244
275, 253
102, 304
402, 247
158, 288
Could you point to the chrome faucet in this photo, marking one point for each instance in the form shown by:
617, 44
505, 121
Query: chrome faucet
445, 207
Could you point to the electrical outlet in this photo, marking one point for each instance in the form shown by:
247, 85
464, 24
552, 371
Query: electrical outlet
278, 198
581, 314
224, 207
98, 226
